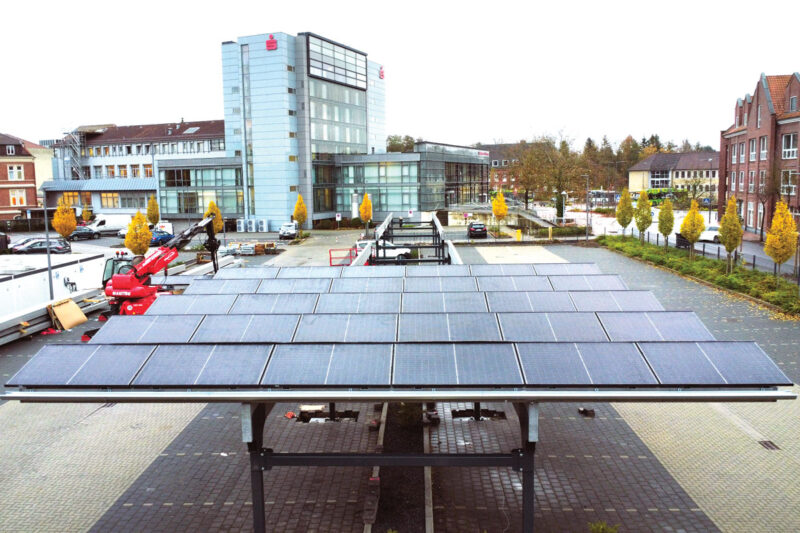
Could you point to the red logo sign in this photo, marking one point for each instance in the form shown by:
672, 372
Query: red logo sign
272, 44
380, 73
483, 154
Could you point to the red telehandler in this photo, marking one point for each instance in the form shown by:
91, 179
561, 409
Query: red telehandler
130, 292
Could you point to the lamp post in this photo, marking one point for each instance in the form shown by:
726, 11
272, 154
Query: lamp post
564, 197
710, 188
587, 205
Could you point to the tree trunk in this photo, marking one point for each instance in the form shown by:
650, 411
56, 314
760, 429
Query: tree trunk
728, 268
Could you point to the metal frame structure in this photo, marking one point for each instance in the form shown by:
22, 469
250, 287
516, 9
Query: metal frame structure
392, 230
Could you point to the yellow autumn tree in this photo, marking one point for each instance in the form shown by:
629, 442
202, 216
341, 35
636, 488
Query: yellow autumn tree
86, 213
643, 215
730, 230
218, 222
300, 211
153, 214
499, 208
64, 220
624, 210
666, 221
137, 240
782, 236
366, 211
692, 226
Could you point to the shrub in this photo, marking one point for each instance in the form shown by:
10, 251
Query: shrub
356, 223
326, 224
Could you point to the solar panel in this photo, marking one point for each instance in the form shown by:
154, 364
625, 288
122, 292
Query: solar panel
360, 365
508, 301
246, 328
446, 284
455, 284
371, 328
437, 271
222, 286
606, 282
383, 271
424, 364
743, 363
680, 326
247, 273
594, 301
503, 270
298, 364
148, 329
358, 303
282, 286
569, 283
550, 301
53, 365
310, 272
636, 301
415, 327
615, 364
560, 269
549, 363
231, 365
487, 364
423, 302
522, 327
174, 365
266, 304
322, 328
464, 302
577, 327
195, 304
465, 327
112, 366
513, 283
680, 363
630, 327
367, 284
441, 302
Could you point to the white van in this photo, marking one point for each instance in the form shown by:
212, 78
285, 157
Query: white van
110, 224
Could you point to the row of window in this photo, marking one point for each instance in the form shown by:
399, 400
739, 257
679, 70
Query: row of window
77, 199
502, 163
182, 147
792, 108
789, 148
17, 197
10, 149
16, 172
789, 181
694, 174
208, 177
119, 171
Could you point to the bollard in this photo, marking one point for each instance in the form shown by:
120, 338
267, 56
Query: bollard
704, 249
519, 235
550, 233
717, 253
754, 261
658, 237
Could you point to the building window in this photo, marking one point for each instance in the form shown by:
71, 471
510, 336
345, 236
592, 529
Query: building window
741, 152
495, 162
793, 103
752, 143
123, 171
659, 179
110, 171
109, 200
235, 89
758, 117
17, 197
750, 214
741, 180
16, 173
292, 158
148, 171
505, 162
291, 91
733, 153
217, 145
135, 171
745, 118
789, 182
292, 135
133, 201
237, 110
292, 112
97, 172
762, 147
10, 150
790, 146
71, 198
237, 131
290, 68
751, 186
762, 180
105, 150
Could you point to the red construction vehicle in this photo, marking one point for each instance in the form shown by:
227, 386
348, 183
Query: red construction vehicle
130, 291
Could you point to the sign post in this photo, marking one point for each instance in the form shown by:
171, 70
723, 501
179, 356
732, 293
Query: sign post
338, 219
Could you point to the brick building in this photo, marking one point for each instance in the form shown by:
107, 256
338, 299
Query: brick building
17, 178
502, 158
758, 153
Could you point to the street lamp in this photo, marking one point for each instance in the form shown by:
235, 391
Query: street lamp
587, 205
563, 207
710, 188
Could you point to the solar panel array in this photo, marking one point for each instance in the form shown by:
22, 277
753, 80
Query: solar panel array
517, 327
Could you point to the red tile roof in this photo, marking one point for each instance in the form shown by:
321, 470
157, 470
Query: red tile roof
734, 130
110, 133
793, 114
777, 86
10, 139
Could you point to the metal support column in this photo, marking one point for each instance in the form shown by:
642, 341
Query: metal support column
529, 429
253, 417
332, 411
476, 411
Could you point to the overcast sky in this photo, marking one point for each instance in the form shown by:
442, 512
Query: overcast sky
456, 72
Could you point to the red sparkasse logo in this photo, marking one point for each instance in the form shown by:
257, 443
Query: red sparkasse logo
380, 73
484, 154
272, 44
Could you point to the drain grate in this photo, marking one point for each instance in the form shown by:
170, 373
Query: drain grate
768, 444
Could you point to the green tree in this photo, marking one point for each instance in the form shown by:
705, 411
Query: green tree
692, 226
782, 236
730, 230
300, 212
64, 219
666, 221
643, 214
365, 210
624, 210
218, 222
397, 143
138, 238
499, 208
153, 214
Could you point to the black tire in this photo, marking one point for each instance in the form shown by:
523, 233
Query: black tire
401, 259
95, 235
716, 239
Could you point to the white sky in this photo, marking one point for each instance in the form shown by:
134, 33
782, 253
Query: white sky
457, 72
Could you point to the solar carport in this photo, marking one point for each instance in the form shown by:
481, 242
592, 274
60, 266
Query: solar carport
522, 334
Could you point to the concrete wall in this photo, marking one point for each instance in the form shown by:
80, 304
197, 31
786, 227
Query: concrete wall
638, 181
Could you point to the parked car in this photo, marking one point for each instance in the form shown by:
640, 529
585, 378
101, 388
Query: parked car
288, 231
39, 246
83, 232
124, 231
476, 229
160, 238
388, 250
711, 234
17, 244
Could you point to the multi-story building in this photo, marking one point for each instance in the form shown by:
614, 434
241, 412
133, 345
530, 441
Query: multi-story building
502, 158
697, 173
17, 178
759, 160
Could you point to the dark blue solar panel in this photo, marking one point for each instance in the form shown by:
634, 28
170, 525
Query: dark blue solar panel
310, 272
446, 284
437, 271
615, 364
424, 364
514, 283
358, 303
423, 302
360, 364
298, 364
487, 364
383, 271
503, 270
548, 363
680, 326
455, 284
630, 327
247, 273
550, 301
147, 329
123, 329
174, 365
423, 328
322, 328
246, 328
636, 301
212, 304
367, 284
371, 328
569, 283
606, 282
464, 327
279, 286
265, 304
680, 363
234, 365
526, 327
113, 365
464, 302
742, 363
560, 269
577, 327
594, 301
508, 302
223, 286
53, 365
443, 302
